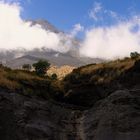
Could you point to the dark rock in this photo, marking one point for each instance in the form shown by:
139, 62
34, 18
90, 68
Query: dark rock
116, 117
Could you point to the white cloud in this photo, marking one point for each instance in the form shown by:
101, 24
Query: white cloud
93, 13
18, 34
10, 1
99, 13
76, 29
116, 41
112, 42
113, 14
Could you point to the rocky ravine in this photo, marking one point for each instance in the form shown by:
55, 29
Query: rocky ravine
116, 117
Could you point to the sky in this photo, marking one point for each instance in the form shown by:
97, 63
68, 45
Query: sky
66, 13
108, 29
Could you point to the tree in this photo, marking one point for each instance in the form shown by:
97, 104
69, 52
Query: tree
41, 67
134, 55
27, 67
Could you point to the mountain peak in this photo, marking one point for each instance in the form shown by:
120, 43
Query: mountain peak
45, 24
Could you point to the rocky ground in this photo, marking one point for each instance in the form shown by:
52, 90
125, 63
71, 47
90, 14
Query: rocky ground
116, 117
89, 110
61, 72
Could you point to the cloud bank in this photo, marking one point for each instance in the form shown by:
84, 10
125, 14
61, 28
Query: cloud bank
15, 33
109, 42
112, 42
116, 39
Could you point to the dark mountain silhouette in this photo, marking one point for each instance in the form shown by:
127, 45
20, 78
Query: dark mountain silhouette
45, 25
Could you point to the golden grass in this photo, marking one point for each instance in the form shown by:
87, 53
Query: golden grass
21, 75
12, 79
101, 73
5, 82
117, 64
8, 84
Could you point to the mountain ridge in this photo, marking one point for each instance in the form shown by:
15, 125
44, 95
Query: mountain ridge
71, 57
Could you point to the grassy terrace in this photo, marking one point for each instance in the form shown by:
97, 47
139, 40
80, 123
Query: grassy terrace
24, 82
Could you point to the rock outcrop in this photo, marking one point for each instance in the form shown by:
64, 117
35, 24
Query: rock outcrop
117, 117
102, 102
61, 72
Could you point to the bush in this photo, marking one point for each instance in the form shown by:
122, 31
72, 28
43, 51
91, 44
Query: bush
41, 67
134, 55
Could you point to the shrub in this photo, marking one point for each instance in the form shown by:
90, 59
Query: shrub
134, 55
41, 67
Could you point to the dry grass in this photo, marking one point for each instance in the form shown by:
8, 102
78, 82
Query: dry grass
15, 79
117, 64
5, 82
8, 84
22, 75
100, 73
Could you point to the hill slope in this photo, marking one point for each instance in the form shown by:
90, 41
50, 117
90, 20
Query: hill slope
94, 102
87, 84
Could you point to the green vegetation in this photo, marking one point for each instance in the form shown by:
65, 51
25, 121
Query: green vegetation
134, 55
41, 67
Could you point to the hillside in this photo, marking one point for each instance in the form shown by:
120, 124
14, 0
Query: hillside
55, 58
45, 25
24, 82
94, 102
88, 84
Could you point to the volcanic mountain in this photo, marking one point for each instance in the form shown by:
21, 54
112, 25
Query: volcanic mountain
16, 58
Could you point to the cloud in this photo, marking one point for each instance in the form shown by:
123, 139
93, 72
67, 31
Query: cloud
113, 14
99, 13
110, 42
10, 1
95, 11
76, 29
15, 33
116, 38
116, 41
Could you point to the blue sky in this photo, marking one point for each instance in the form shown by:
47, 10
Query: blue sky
66, 13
